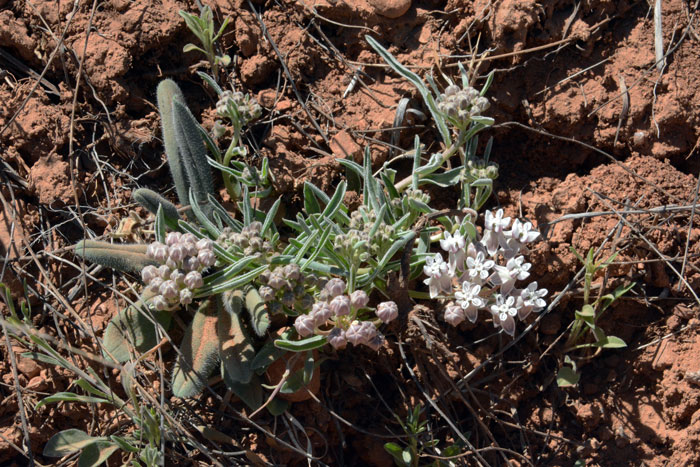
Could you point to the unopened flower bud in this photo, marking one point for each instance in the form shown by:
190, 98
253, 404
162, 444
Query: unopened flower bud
204, 244
206, 258
160, 253
306, 302
169, 290
256, 243
276, 281
177, 252
164, 272
321, 312
335, 287
292, 271
368, 330
264, 277
190, 248
304, 325
170, 263
337, 339
186, 296
340, 305
255, 227
178, 277
354, 333
193, 280
188, 238
190, 264
148, 273
376, 342
387, 311
173, 238
266, 293
160, 303
359, 299
154, 284
288, 299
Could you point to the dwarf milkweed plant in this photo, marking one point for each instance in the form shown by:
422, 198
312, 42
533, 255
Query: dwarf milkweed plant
323, 275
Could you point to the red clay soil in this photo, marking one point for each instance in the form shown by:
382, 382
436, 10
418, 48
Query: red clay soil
586, 126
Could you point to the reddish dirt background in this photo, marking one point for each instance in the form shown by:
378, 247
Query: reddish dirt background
568, 140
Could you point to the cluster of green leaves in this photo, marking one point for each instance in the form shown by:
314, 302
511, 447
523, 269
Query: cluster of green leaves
203, 28
415, 427
585, 334
143, 444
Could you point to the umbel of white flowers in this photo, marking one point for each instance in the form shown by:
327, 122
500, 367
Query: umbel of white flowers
482, 275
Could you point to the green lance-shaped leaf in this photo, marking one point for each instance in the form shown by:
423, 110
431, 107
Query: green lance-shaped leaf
97, 453
150, 200
166, 93
259, 317
133, 328
235, 348
193, 153
125, 258
68, 441
199, 352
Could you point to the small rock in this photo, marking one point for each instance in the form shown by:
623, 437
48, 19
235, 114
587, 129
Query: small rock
390, 8
344, 147
28, 367
664, 356
550, 324
37, 383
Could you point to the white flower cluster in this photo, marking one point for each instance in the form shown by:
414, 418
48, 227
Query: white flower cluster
482, 275
341, 312
182, 258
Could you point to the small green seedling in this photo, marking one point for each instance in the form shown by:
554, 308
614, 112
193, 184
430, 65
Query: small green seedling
586, 319
202, 26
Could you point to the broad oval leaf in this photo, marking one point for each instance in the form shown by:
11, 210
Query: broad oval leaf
68, 441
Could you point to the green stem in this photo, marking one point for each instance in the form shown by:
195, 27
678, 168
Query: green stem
228, 183
449, 152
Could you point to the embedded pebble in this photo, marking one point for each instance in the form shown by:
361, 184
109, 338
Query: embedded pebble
390, 8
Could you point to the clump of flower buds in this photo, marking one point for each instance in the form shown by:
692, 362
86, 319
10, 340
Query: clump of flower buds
340, 312
248, 242
482, 275
460, 105
237, 106
357, 243
287, 286
182, 259
478, 168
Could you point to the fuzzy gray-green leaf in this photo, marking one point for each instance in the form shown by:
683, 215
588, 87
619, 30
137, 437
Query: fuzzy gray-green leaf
125, 258
166, 93
133, 328
236, 350
193, 153
199, 352
150, 200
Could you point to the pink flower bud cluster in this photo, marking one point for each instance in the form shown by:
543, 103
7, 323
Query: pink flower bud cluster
337, 309
182, 259
482, 275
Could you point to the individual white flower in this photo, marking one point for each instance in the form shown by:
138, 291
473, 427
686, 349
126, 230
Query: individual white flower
439, 277
479, 268
496, 222
454, 246
469, 300
494, 227
515, 269
504, 312
522, 232
530, 299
